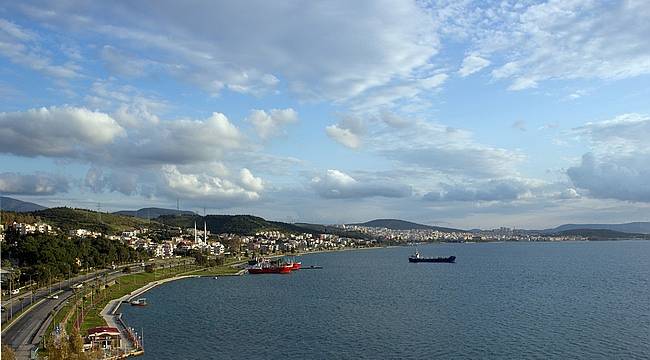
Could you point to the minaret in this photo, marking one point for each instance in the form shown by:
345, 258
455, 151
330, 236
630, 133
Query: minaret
195, 232
205, 234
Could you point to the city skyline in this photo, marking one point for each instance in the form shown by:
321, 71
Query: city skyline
444, 113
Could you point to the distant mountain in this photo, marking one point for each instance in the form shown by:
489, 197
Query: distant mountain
152, 213
395, 224
633, 227
234, 224
603, 234
11, 204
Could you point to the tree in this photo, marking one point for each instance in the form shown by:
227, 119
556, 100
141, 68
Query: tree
8, 353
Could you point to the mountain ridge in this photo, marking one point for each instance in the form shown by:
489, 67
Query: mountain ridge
15, 205
396, 224
153, 212
638, 227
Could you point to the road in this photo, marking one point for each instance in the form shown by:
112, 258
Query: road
16, 304
25, 333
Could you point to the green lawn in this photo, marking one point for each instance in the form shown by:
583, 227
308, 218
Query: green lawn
125, 285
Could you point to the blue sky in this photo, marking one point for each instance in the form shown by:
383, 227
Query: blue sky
457, 113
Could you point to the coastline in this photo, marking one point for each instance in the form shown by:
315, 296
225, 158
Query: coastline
131, 345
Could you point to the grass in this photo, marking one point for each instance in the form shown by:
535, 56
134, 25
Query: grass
217, 270
125, 285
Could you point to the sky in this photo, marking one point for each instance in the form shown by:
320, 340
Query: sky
526, 114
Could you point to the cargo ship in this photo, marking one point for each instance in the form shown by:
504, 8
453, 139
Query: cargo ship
416, 258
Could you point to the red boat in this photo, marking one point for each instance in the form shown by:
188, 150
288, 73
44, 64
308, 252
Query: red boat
269, 268
296, 266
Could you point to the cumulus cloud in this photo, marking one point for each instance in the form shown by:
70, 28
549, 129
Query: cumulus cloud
56, 131
12, 183
336, 184
209, 187
181, 141
622, 178
618, 165
270, 124
471, 64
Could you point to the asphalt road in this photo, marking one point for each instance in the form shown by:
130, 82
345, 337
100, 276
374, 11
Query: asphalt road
23, 334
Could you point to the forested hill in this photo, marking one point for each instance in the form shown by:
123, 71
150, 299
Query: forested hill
395, 224
152, 213
234, 224
69, 219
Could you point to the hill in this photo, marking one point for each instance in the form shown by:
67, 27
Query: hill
234, 224
70, 219
153, 212
395, 224
603, 234
633, 227
15, 205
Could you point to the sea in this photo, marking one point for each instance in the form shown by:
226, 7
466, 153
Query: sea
546, 300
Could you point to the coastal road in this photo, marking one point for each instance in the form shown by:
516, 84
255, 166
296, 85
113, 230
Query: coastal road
27, 329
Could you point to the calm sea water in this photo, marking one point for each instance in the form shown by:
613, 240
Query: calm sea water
580, 300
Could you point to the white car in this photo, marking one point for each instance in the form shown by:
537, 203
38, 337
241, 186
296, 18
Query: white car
53, 297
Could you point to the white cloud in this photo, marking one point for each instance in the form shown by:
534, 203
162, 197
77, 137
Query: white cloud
39, 183
336, 184
270, 124
56, 131
507, 189
618, 166
251, 182
471, 64
539, 41
343, 136
183, 141
24, 48
334, 51
445, 150
207, 187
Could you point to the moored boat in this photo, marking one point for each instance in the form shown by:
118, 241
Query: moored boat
139, 302
270, 269
416, 258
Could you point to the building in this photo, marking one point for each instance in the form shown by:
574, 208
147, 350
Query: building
104, 337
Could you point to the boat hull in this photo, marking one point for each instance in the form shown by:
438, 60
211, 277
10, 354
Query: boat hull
270, 270
451, 259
